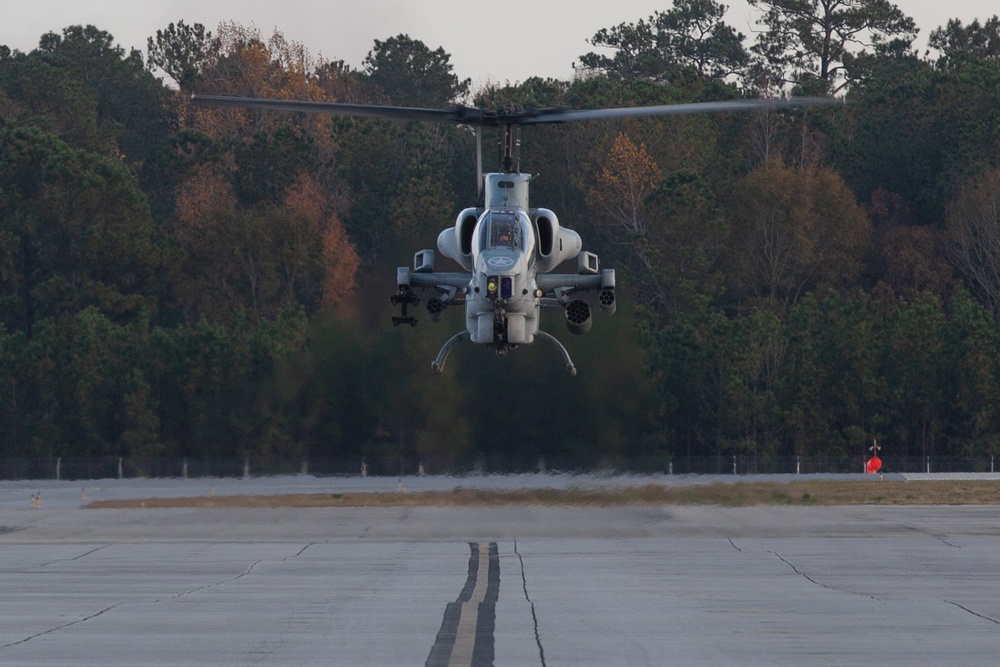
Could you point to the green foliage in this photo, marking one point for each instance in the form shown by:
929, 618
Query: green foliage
269, 163
411, 74
76, 232
689, 38
130, 102
409, 193
958, 42
829, 376
181, 51
809, 40
942, 124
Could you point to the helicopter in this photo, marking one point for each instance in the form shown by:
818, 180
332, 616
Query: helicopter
508, 251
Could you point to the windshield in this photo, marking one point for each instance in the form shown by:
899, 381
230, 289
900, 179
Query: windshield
504, 230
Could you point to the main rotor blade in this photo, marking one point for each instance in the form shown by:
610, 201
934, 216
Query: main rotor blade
456, 115
557, 115
506, 117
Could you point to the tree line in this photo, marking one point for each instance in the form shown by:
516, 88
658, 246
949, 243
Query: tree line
211, 283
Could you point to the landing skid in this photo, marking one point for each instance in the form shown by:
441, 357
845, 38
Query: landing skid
552, 339
438, 364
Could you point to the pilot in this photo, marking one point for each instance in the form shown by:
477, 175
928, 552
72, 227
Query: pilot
505, 237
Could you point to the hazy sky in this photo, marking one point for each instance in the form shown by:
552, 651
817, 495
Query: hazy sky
488, 41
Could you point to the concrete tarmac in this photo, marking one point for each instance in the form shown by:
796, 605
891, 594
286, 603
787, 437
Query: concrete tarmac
505, 586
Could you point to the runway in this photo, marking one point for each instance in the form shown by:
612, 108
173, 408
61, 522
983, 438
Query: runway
505, 586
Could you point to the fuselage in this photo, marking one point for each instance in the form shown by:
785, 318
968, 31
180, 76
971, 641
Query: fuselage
502, 305
504, 245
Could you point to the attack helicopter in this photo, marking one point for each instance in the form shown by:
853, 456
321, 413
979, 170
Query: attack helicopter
508, 251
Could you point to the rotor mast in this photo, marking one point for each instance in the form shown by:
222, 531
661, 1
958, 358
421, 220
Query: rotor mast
511, 162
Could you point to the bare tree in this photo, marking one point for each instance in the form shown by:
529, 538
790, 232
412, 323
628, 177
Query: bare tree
973, 235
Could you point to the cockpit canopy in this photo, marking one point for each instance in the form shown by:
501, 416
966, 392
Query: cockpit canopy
505, 229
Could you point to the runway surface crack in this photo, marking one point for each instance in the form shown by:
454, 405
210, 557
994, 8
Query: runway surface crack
937, 536
245, 573
819, 583
534, 616
733, 545
63, 626
215, 583
300, 552
974, 613
70, 560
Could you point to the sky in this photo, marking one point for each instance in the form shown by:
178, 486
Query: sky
506, 40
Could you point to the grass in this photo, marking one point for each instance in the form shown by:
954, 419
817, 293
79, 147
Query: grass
726, 495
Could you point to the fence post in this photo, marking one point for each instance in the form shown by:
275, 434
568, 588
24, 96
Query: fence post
121, 468
58, 468
928, 465
734, 464
246, 468
184, 469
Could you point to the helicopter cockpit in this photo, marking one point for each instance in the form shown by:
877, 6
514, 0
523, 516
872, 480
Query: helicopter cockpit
506, 229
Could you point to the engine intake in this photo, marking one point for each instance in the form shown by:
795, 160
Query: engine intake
578, 319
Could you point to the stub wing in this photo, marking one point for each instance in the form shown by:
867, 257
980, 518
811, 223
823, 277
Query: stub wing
452, 287
432, 280
559, 286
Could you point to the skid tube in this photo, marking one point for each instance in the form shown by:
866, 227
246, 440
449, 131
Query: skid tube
438, 364
555, 341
